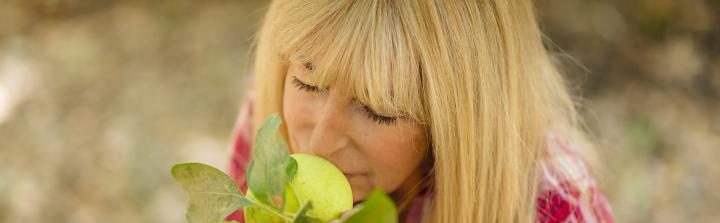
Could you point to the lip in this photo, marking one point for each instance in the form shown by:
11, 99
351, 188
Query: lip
348, 175
353, 172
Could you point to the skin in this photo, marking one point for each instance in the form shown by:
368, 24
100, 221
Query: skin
336, 127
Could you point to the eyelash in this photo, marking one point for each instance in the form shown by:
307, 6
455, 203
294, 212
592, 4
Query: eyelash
378, 118
368, 112
305, 87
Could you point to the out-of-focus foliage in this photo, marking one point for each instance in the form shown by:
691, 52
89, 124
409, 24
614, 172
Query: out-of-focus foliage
98, 98
651, 82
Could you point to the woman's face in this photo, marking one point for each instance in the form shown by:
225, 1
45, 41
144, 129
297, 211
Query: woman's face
371, 149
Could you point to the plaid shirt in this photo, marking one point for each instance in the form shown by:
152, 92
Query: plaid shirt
559, 200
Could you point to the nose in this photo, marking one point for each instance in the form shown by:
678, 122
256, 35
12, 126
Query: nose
331, 125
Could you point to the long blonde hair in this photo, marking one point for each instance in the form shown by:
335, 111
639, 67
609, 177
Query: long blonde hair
475, 73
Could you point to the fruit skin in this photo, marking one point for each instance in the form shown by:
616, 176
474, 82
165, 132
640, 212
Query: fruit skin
316, 180
320, 182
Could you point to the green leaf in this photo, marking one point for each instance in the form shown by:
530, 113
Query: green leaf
291, 168
267, 177
301, 217
378, 208
248, 171
213, 194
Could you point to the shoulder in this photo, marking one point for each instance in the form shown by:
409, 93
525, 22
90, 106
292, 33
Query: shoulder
568, 193
242, 142
242, 147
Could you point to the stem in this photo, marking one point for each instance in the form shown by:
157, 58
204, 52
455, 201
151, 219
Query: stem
272, 210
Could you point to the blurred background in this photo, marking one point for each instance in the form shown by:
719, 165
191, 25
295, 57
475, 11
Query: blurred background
98, 98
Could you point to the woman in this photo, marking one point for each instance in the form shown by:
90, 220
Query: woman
452, 107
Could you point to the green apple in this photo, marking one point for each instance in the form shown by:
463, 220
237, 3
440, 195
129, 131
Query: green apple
317, 181
320, 182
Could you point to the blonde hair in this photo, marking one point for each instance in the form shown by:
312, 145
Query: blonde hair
474, 73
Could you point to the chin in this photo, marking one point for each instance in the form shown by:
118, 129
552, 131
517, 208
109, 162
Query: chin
359, 195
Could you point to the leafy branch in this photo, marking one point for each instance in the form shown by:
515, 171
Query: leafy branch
213, 195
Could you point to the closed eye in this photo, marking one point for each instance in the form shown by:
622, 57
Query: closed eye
385, 120
305, 87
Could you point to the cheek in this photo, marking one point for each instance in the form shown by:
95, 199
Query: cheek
291, 107
298, 109
295, 111
394, 157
